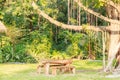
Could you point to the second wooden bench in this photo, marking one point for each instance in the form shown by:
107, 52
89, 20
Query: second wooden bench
63, 69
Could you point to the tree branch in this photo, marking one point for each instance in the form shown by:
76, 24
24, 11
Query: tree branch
97, 14
65, 26
111, 3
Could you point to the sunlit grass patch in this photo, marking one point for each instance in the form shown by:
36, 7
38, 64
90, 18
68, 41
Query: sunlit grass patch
88, 64
13, 68
85, 70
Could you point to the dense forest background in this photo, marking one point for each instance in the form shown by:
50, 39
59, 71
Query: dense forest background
31, 38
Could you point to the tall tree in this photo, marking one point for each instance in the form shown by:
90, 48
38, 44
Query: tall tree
114, 27
113, 11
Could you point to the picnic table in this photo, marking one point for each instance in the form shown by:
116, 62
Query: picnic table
55, 65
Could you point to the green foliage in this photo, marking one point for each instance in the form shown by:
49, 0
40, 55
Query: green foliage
0, 55
31, 38
59, 55
39, 46
74, 50
13, 34
14, 53
116, 1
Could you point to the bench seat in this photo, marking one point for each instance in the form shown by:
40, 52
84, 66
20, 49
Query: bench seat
63, 69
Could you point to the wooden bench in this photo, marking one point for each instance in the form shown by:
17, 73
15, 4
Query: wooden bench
63, 69
39, 67
55, 65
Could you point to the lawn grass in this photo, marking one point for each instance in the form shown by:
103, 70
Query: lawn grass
86, 70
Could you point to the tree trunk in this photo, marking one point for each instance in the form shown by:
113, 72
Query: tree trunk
104, 48
117, 65
114, 35
68, 11
114, 40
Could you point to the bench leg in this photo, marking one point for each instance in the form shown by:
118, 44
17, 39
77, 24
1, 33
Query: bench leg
47, 66
39, 69
73, 70
54, 71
